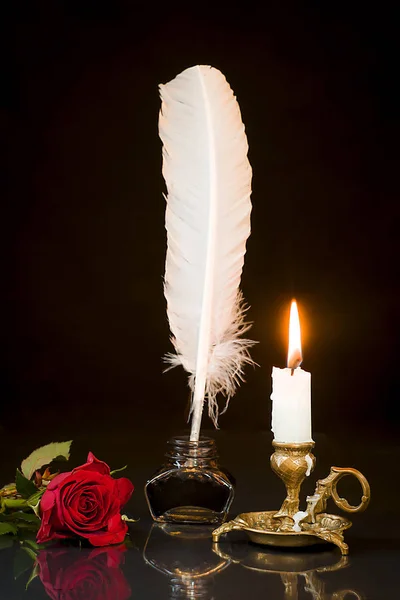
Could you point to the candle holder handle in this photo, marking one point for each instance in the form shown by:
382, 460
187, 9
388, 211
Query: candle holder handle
327, 488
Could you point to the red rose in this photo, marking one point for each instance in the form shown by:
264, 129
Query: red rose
85, 502
68, 574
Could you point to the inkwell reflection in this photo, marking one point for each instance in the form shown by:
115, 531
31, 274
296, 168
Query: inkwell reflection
185, 555
300, 571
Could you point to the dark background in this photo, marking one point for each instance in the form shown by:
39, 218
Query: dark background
83, 321
84, 325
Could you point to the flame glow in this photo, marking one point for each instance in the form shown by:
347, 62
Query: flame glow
294, 352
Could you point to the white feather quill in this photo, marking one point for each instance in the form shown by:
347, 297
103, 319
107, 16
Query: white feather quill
208, 178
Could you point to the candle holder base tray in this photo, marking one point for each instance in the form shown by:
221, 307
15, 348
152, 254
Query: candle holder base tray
263, 529
289, 527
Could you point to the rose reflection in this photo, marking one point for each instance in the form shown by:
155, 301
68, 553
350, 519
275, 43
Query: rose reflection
72, 574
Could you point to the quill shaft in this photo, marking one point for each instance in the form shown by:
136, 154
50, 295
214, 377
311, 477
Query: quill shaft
206, 313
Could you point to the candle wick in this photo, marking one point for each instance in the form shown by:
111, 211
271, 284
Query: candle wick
295, 361
291, 371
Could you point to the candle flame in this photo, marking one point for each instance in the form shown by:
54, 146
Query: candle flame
295, 356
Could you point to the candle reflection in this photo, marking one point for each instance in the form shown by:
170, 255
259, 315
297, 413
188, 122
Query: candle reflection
299, 572
69, 573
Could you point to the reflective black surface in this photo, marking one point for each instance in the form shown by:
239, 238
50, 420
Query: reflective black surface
83, 313
170, 561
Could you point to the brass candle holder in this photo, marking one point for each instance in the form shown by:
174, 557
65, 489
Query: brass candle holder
289, 527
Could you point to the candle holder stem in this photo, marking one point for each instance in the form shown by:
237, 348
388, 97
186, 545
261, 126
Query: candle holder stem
292, 463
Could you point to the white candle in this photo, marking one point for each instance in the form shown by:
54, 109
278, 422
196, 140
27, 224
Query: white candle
291, 391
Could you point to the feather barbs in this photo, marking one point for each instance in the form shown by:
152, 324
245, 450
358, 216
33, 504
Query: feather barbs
208, 178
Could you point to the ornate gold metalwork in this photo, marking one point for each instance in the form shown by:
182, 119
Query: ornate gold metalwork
327, 488
288, 527
298, 571
264, 528
292, 463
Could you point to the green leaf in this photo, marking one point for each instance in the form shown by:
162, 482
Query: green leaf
32, 519
44, 456
118, 470
14, 503
34, 545
128, 543
33, 575
35, 498
34, 501
25, 487
7, 528
26, 527
21, 516
22, 562
29, 552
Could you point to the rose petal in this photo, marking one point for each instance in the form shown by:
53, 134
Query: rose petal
69, 494
93, 464
57, 481
54, 535
124, 489
85, 478
50, 523
48, 500
50, 529
79, 523
115, 534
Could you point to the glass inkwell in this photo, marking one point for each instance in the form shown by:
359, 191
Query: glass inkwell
190, 487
